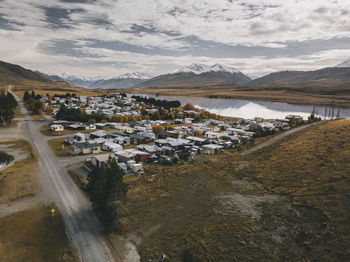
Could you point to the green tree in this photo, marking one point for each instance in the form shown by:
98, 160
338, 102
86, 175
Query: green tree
108, 192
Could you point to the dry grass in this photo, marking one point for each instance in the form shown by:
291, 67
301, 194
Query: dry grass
56, 147
231, 92
19, 181
288, 202
33, 235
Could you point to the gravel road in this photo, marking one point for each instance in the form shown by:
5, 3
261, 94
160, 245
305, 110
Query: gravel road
81, 223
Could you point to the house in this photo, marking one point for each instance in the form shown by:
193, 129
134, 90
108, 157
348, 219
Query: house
198, 141
57, 128
176, 144
102, 126
147, 148
214, 135
142, 138
84, 148
211, 149
110, 146
99, 159
122, 140
76, 126
79, 137
98, 134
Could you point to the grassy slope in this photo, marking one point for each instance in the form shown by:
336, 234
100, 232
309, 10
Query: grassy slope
289, 204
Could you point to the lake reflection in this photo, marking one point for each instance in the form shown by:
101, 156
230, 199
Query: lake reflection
251, 109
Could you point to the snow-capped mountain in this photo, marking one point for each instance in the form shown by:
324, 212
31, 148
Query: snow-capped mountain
197, 75
344, 64
202, 68
136, 75
123, 81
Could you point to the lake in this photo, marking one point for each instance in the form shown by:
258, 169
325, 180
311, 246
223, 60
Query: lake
250, 109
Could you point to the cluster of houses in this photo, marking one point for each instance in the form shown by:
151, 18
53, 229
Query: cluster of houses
134, 143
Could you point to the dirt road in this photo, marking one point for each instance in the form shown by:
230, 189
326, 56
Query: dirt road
81, 223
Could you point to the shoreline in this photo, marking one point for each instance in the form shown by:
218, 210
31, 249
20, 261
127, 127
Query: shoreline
294, 98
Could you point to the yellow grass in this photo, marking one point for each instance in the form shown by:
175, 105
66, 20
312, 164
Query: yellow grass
19, 181
33, 235
288, 202
56, 146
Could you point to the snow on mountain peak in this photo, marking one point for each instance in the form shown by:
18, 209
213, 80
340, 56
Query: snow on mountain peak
137, 75
202, 68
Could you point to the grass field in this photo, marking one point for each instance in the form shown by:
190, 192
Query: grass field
56, 146
30, 234
33, 235
287, 202
19, 181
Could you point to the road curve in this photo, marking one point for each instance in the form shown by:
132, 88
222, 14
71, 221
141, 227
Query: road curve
81, 223
275, 139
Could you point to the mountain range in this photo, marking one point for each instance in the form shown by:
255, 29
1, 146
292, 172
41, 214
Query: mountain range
198, 75
331, 79
123, 81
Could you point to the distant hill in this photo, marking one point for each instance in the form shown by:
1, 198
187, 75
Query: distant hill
331, 79
15, 74
198, 75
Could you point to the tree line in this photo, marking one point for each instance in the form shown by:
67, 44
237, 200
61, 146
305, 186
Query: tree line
158, 103
8, 105
108, 192
33, 102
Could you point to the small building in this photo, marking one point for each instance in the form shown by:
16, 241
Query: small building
57, 128
84, 148
99, 159
110, 146
98, 134
211, 149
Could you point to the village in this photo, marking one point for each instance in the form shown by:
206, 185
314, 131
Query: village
135, 130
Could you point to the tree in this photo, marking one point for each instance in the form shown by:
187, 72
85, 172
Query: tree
189, 106
157, 129
132, 119
171, 127
7, 106
108, 192
155, 115
92, 121
49, 109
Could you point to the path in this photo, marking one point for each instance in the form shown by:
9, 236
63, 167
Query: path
275, 139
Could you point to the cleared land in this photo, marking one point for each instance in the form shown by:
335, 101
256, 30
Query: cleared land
286, 202
263, 94
27, 231
34, 235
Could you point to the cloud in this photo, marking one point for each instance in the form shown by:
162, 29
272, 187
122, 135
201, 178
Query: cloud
105, 36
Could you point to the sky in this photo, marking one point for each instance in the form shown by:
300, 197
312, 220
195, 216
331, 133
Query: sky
104, 38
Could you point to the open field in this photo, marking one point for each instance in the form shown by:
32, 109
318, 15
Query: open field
19, 181
27, 231
34, 235
56, 147
286, 202
51, 89
230, 92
